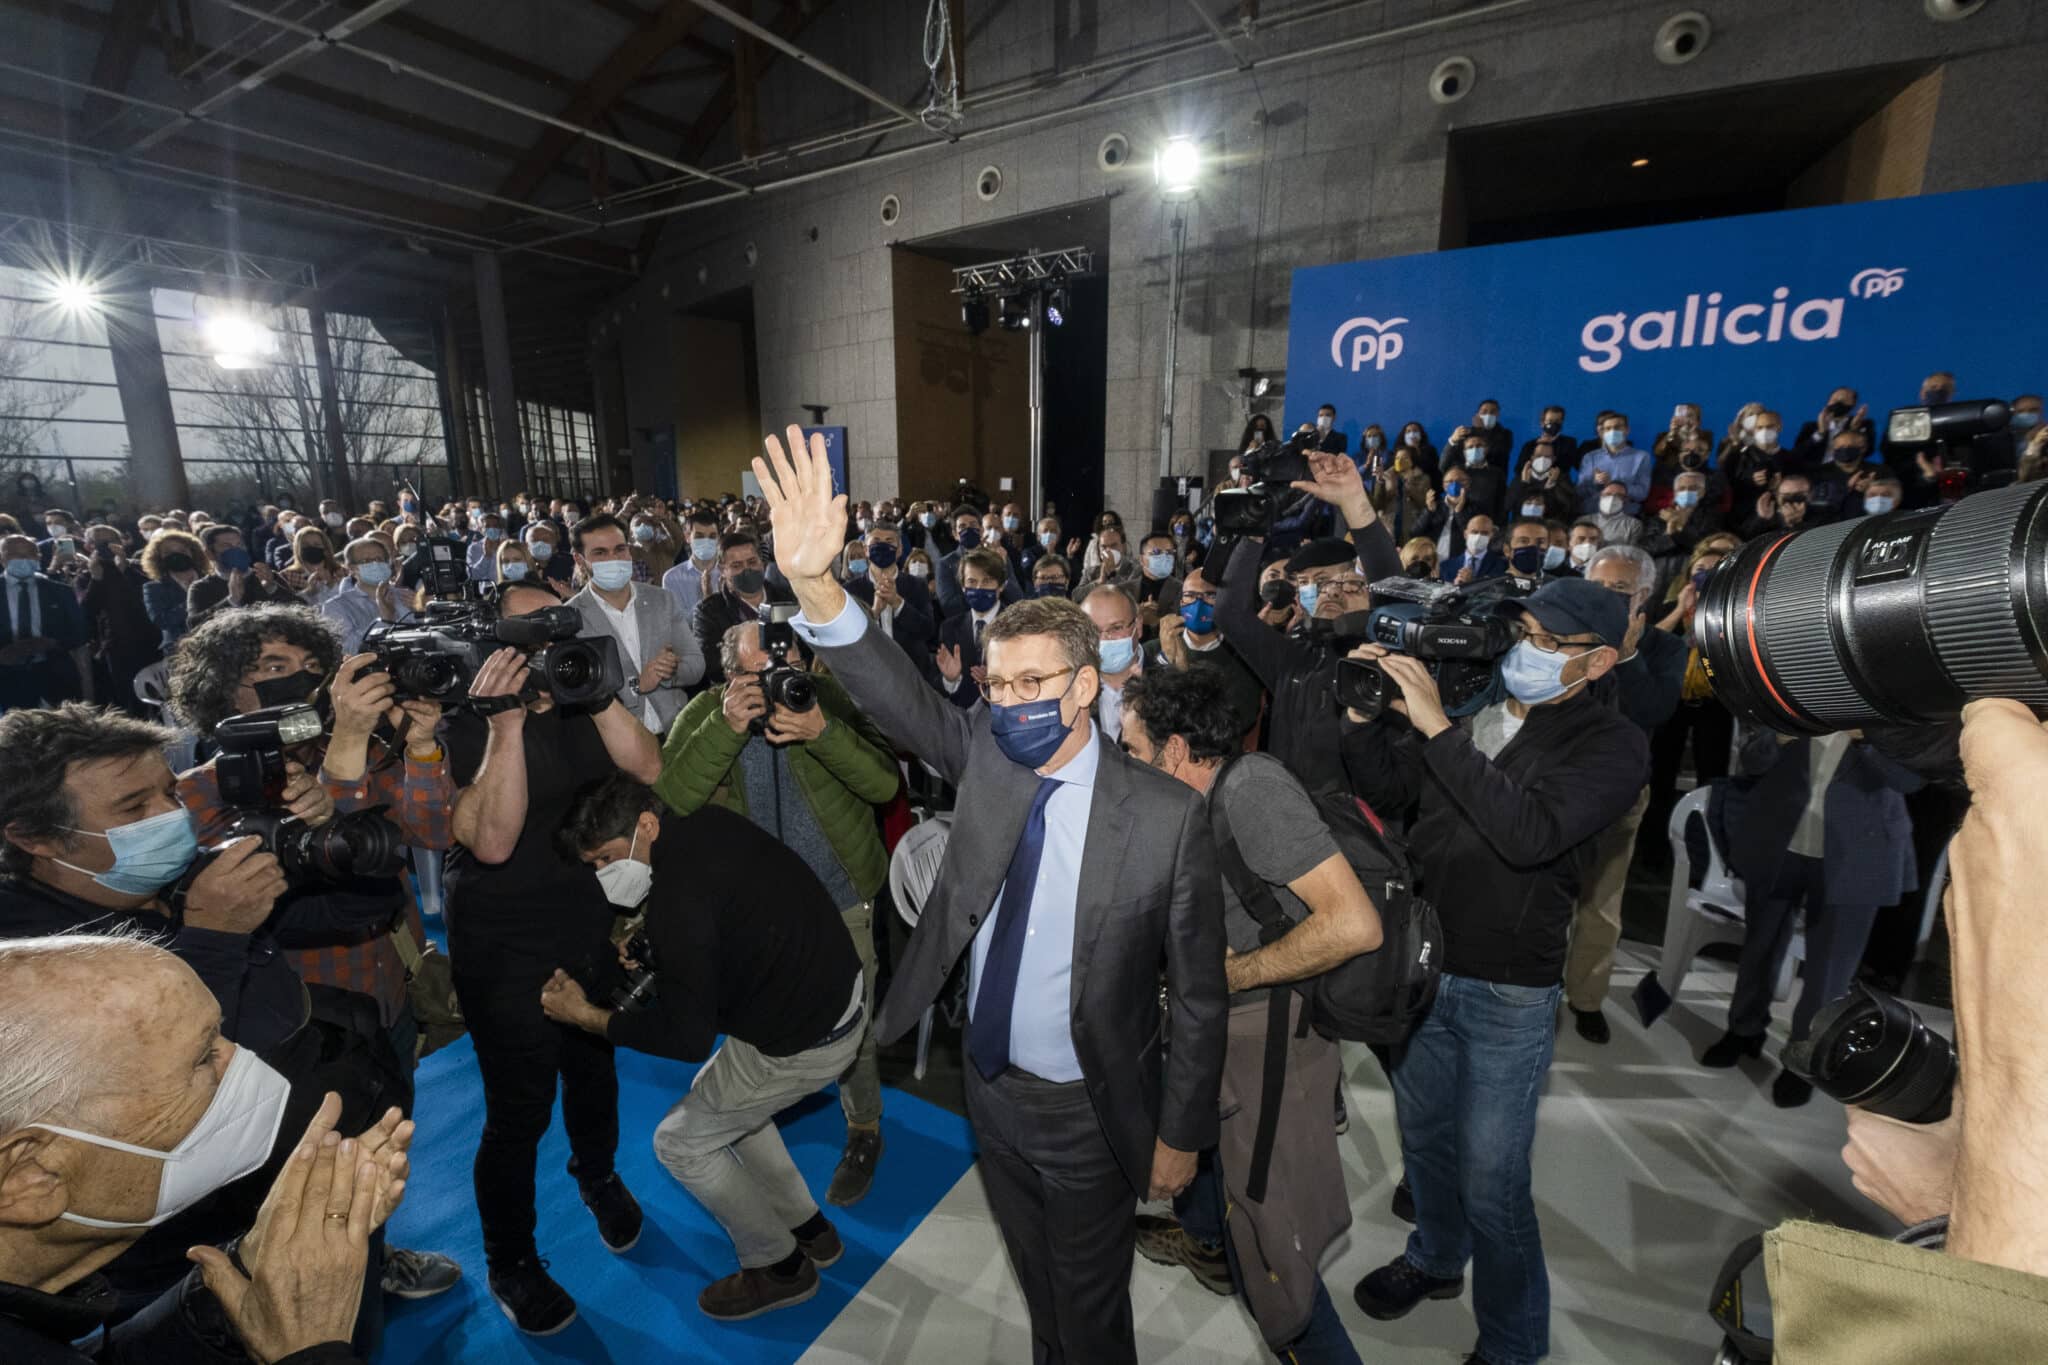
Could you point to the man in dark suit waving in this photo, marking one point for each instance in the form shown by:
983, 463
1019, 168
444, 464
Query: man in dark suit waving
1072, 873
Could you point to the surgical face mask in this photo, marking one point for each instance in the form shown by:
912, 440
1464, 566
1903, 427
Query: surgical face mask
148, 854
1200, 617
1532, 676
1159, 563
1532, 509
920, 570
1052, 587
1453, 491
23, 568
1749, 422
626, 881
1687, 497
1116, 655
611, 574
1412, 438
882, 554
1609, 505
540, 547
1373, 441
1306, 594
494, 533
373, 573
1012, 523
927, 519
1581, 551
2025, 420
643, 533
856, 568
1766, 438
1323, 423
234, 559
1476, 543
333, 518
1541, 464
704, 549
512, 570
1475, 456
1876, 504
1030, 732
749, 581
1615, 437
231, 1139
981, 599
1049, 539
1486, 420
1553, 557
969, 537
866, 524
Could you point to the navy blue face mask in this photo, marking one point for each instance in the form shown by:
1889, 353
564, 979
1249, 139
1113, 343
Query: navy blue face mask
1030, 732
881, 554
981, 599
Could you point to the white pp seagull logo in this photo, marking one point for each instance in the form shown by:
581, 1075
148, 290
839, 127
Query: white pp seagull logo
1382, 348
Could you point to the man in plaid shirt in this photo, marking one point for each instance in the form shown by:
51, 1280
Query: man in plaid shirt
254, 657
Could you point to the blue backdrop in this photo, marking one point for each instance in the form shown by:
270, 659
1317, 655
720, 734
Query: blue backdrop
835, 451
1774, 307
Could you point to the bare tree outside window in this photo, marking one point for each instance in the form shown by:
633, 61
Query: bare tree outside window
29, 406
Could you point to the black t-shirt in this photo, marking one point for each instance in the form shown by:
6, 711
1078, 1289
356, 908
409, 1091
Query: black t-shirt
535, 903
746, 941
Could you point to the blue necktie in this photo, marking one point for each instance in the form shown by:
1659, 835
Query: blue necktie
988, 1032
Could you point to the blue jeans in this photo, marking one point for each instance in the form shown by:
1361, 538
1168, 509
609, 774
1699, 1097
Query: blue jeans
1201, 1209
1466, 1086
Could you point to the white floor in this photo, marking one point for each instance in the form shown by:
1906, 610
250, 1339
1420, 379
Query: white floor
1648, 1169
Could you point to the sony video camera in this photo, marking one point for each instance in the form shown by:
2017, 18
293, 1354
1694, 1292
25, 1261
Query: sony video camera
438, 658
782, 687
1273, 467
251, 773
1461, 632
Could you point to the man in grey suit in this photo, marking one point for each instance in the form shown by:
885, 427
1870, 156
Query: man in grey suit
1073, 872
656, 641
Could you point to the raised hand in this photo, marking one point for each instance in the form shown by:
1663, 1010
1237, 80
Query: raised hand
1335, 480
809, 519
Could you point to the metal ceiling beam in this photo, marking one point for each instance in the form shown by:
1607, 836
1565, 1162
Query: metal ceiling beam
316, 40
656, 37
29, 244
395, 66
1222, 38
121, 36
825, 69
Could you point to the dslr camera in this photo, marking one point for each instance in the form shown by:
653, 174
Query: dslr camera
1273, 467
1460, 632
438, 658
782, 687
251, 773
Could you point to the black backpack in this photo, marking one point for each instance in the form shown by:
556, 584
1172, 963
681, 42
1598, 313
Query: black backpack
1376, 997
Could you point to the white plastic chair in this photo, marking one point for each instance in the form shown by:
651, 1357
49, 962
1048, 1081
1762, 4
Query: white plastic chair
1713, 913
913, 871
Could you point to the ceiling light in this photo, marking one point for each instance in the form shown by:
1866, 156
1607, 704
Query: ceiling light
74, 294
237, 341
1639, 163
1177, 166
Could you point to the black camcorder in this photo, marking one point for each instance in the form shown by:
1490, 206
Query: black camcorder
251, 772
1460, 632
437, 659
1273, 467
444, 565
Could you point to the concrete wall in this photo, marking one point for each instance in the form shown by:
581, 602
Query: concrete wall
1337, 157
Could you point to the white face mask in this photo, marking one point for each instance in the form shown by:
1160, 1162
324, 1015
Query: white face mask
1476, 543
231, 1139
1610, 504
626, 881
1541, 464
1323, 423
1582, 551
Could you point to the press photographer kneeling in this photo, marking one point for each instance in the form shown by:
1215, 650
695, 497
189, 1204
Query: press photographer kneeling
776, 974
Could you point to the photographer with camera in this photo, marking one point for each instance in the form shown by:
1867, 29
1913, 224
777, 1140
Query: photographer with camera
773, 974
789, 750
516, 912
1510, 802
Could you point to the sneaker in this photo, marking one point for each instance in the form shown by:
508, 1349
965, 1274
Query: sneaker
1163, 1241
821, 1248
750, 1293
530, 1297
617, 1213
418, 1274
1403, 1205
856, 1167
1592, 1025
1731, 1048
1790, 1090
1343, 1119
1396, 1287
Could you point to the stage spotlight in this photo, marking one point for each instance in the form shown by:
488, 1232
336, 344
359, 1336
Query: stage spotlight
974, 314
74, 294
1177, 166
237, 341
1057, 303
1015, 313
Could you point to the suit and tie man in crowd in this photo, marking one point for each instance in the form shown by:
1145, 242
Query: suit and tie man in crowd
1072, 874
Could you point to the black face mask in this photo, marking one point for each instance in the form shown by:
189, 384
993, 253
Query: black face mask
1838, 409
176, 563
1552, 428
1848, 456
299, 686
1421, 569
1528, 559
749, 581
312, 554
1691, 459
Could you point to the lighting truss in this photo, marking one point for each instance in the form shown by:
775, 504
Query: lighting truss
44, 246
1023, 272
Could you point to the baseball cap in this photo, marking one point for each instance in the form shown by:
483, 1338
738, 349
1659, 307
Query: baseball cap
1578, 606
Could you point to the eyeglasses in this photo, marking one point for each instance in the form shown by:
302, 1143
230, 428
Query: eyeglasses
1026, 688
1546, 643
1189, 598
1344, 587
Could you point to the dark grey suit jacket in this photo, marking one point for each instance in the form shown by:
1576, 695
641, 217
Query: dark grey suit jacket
1150, 896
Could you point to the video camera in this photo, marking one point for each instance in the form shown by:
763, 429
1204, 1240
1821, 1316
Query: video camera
251, 774
1461, 632
444, 565
436, 660
1273, 467
784, 687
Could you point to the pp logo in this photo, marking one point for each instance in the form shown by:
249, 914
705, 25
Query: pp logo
1875, 283
1376, 343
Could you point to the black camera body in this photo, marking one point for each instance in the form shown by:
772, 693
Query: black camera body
1461, 633
250, 771
782, 686
438, 660
640, 981
1274, 468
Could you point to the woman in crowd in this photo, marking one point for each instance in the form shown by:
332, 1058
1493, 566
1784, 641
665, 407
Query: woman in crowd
1415, 441
918, 565
124, 638
173, 560
313, 571
1257, 432
1108, 521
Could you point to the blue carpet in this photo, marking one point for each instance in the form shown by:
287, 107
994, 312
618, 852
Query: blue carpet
643, 1306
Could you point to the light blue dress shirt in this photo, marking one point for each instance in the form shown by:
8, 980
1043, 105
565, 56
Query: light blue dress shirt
1041, 1017
1602, 466
355, 611
686, 585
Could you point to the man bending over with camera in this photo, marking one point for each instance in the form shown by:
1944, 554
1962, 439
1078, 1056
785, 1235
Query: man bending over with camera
775, 975
516, 912
789, 750
1511, 802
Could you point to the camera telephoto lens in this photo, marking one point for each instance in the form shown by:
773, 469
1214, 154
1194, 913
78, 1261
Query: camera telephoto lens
1871, 1050
431, 676
1894, 619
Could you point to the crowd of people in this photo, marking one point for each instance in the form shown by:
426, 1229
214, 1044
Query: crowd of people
1163, 828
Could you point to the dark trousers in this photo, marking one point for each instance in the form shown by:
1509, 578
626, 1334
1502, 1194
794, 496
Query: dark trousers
1065, 1212
1709, 728
1835, 936
519, 1053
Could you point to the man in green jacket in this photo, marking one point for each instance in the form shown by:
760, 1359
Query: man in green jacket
812, 779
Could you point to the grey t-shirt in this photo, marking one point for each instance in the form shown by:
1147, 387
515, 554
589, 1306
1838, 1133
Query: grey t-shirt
1279, 833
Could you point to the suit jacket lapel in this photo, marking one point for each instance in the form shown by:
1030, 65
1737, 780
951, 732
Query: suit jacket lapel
1107, 844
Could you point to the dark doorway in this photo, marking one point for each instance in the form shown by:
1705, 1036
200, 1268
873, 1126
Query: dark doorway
963, 400
716, 379
1750, 150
